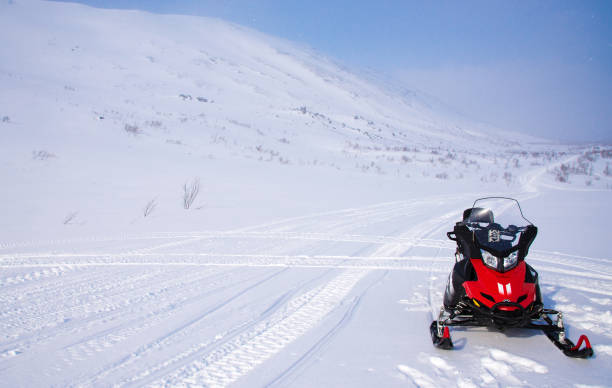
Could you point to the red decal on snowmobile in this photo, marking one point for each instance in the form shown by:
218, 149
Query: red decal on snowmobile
500, 286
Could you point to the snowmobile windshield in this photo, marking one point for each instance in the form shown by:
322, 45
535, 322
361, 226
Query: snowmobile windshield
497, 224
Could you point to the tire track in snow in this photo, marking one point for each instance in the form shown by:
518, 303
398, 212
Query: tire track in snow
197, 350
181, 330
70, 296
284, 378
369, 216
404, 262
109, 313
78, 295
236, 358
156, 315
34, 276
14, 258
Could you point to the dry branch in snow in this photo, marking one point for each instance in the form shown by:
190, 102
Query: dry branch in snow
190, 192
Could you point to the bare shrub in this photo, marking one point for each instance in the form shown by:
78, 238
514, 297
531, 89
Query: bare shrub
562, 173
42, 155
70, 218
508, 177
607, 171
190, 192
561, 176
149, 207
442, 175
154, 123
132, 129
173, 141
6, 119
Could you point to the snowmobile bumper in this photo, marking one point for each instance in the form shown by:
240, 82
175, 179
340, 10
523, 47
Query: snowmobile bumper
504, 315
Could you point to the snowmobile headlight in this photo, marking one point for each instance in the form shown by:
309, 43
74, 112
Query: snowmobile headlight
511, 260
489, 259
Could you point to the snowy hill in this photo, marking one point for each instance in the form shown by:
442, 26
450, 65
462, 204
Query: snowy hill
165, 95
163, 72
314, 252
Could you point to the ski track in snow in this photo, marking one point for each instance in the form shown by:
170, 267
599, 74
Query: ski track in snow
105, 298
236, 358
92, 300
284, 378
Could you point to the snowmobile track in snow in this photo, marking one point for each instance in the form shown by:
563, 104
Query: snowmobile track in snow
162, 294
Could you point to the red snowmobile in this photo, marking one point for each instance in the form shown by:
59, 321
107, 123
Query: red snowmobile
491, 285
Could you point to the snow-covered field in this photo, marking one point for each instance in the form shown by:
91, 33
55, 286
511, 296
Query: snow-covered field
315, 251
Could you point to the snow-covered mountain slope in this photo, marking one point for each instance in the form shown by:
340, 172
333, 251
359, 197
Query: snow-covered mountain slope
314, 253
169, 72
196, 81
172, 98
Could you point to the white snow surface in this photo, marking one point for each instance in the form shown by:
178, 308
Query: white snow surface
315, 252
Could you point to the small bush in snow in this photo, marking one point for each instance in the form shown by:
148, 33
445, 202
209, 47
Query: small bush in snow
442, 176
70, 218
190, 192
154, 123
149, 207
173, 141
132, 129
6, 119
42, 155
607, 171
562, 173
508, 177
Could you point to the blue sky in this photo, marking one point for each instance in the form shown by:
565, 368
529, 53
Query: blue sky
542, 67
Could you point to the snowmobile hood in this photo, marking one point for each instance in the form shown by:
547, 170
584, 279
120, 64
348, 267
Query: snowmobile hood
494, 287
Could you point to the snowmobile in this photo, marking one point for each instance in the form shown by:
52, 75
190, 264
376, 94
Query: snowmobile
491, 285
